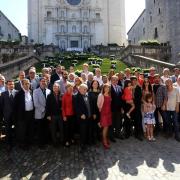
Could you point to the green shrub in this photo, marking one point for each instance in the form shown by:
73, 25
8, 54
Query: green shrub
78, 72
96, 66
113, 62
150, 43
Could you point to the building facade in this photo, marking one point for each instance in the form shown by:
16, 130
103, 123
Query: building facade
76, 23
160, 21
8, 32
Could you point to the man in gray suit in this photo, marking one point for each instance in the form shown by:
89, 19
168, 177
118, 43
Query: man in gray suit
7, 105
39, 95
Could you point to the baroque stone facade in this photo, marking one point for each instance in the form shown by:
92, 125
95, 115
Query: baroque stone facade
7, 29
76, 23
160, 20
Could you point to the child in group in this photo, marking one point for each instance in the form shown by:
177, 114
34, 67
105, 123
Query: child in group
149, 119
128, 96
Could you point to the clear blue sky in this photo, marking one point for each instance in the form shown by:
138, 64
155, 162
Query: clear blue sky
16, 11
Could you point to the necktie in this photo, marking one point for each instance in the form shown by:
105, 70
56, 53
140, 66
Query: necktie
116, 87
44, 92
11, 96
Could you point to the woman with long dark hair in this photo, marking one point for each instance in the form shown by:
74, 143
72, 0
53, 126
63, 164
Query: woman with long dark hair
104, 105
93, 94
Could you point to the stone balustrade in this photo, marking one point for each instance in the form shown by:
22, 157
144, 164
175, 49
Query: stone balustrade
11, 69
146, 62
162, 53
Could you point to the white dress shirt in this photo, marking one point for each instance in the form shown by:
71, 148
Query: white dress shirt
28, 101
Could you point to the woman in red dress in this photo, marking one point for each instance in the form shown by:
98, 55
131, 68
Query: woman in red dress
104, 105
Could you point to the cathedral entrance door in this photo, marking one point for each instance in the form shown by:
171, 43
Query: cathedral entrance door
74, 44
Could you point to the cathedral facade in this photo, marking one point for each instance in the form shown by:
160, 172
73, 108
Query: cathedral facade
76, 23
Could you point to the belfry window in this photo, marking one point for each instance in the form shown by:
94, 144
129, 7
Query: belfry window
74, 29
49, 13
98, 15
62, 28
85, 29
155, 33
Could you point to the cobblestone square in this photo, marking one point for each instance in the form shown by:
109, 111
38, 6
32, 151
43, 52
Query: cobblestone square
127, 159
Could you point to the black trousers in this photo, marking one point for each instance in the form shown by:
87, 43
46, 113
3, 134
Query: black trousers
95, 131
69, 128
163, 114
42, 131
137, 116
8, 130
84, 130
56, 125
1, 122
25, 128
116, 127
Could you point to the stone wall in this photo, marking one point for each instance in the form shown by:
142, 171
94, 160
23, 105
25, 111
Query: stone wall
11, 69
146, 63
162, 53
159, 21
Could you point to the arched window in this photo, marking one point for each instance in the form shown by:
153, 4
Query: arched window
85, 44
63, 44
62, 13
62, 28
85, 14
49, 14
85, 30
74, 29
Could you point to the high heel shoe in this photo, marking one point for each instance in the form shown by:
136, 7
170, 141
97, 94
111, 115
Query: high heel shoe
106, 145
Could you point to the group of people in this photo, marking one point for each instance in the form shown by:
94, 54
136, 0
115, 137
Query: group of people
57, 105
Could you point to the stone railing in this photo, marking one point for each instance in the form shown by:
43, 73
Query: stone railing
108, 50
146, 62
6, 49
162, 53
11, 69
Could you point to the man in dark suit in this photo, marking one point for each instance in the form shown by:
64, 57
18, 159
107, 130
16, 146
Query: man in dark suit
116, 106
18, 84
57, 76
2, 89
137, 115
7, 105
24, 109
83, 112
54, 113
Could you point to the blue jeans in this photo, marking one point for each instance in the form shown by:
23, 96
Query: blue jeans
172, 122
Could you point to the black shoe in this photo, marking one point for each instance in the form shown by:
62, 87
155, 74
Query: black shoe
127, 136
67, 144
82, 148
139, 138
177, 139
112, 140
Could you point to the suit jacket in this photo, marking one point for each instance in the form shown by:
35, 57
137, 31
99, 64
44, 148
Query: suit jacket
54, 78
80, 106
18, 86
40, 102
53, 107
137, 97
34, 84
116, 103
62, 86
7, 105
19, 105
